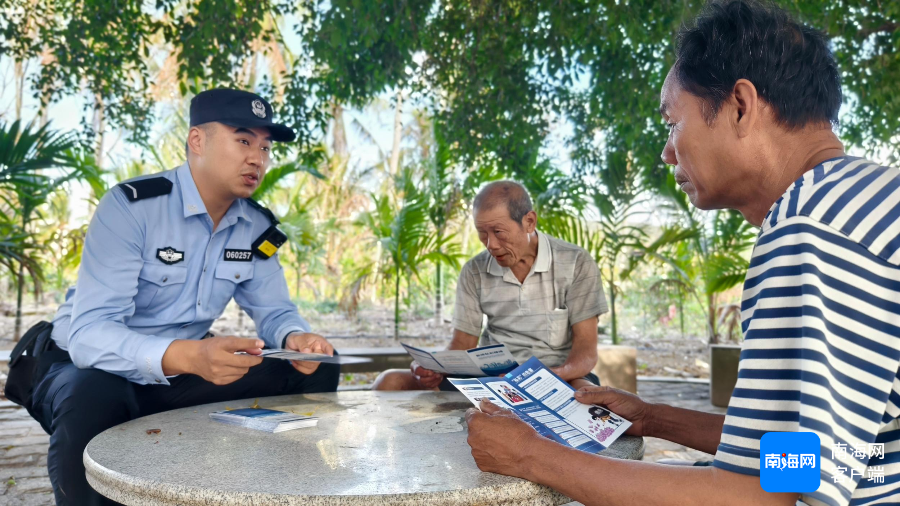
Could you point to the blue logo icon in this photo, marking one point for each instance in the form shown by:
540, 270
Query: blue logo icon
790, 461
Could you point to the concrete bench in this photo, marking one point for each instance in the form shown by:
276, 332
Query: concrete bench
382, 358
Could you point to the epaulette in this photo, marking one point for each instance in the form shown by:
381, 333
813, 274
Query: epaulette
269, 241
269, 214
146, 188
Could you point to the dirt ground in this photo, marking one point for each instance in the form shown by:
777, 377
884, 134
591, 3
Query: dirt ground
670, 356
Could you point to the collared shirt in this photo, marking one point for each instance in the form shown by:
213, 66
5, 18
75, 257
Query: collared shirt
534, 317
821, 323
154, 270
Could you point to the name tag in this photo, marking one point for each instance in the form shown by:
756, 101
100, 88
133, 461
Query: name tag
238, 255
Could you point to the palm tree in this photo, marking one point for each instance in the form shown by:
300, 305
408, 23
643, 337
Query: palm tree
306, 236
715, 257
619, 242
404, 236
25, 154
17, 248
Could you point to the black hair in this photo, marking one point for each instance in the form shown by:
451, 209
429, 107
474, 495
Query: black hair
791, 65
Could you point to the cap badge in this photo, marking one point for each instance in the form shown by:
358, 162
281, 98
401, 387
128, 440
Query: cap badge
258, 108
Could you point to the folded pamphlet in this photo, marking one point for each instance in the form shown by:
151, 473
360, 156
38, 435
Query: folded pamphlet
491, 360
547, 403
311, 357
266, 420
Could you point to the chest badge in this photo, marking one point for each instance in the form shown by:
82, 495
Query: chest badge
238, 255
169, 255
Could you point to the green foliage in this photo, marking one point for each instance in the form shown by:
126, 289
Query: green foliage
399, 225
362, 48
715, 259
35, 162
275, 175
490, 80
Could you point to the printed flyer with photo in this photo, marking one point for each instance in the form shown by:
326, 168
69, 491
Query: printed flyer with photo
491, 360
547, 403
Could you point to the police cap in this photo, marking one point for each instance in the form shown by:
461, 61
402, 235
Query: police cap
239, 109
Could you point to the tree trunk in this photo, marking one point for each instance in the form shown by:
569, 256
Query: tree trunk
613, 325
711, 318
99, 127
681, 312
338, 133
397, 308
19, 71
394, 161
20, 288
438, 296
47, 59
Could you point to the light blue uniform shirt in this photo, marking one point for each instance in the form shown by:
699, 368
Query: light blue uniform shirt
129, 305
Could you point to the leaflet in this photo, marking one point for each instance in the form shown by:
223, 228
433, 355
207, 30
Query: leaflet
310, 357
491, 360
548, 404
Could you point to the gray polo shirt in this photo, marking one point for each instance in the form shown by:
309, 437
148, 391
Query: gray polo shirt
535, 317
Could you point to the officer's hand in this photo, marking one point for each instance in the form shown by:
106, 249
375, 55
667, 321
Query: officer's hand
620, 402
426, 377
216, 362
307, 343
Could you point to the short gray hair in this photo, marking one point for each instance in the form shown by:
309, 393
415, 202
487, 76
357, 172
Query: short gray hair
511, 193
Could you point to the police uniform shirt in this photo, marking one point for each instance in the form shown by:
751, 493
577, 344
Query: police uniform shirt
153, 270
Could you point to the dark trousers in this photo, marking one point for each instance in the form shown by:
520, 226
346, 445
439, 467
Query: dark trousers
73, 405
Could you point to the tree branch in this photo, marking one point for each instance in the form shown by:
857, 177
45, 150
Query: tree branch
885, 28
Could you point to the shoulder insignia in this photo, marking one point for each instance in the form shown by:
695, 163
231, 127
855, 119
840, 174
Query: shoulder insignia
269, 214
146, 188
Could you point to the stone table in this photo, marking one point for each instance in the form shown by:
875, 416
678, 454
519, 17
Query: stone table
372, 448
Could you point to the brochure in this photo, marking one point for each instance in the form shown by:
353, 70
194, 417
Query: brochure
310, 357
547, 403
491, 360
266, 420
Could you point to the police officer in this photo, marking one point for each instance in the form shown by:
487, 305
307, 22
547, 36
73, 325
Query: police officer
163, 256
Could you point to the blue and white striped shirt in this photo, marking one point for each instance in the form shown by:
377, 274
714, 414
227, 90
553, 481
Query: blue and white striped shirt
821, 321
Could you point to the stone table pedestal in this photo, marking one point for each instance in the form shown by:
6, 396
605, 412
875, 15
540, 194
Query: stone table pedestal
369, 448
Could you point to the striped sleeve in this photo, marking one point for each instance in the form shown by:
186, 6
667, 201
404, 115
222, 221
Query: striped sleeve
821, 352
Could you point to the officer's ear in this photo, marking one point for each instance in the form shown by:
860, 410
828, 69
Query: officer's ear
196, 140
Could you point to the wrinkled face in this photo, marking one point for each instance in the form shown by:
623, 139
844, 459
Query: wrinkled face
236, 159
506, 240
701, 153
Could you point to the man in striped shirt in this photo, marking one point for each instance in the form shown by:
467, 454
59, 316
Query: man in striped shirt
750, 104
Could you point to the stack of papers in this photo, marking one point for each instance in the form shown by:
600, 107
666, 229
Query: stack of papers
491, 360
547, 403
266, 420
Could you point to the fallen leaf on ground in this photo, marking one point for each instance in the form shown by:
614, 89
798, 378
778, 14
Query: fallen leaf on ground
153, 431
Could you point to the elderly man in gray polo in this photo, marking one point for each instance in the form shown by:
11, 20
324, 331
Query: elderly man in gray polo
541, 295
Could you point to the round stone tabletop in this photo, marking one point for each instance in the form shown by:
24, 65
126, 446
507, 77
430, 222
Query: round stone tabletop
373, 448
